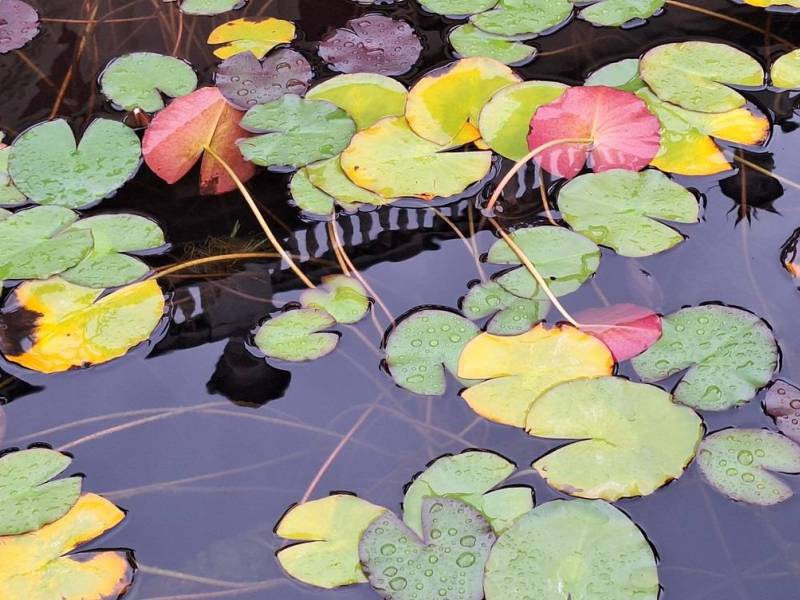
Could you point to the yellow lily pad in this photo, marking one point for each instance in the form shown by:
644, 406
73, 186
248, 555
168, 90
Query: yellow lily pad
245, 35
366, 97
785, 71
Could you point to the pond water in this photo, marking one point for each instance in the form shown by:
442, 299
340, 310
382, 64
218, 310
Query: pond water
206, 445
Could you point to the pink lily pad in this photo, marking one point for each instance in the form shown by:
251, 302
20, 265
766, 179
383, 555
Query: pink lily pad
19, 24
783, 404
627, 329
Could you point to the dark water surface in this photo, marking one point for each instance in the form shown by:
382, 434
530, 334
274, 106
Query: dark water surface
206, 445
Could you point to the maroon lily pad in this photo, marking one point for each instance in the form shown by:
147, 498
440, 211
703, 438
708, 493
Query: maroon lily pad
245, 81
19, 24
627, 329
372, 44
783, 404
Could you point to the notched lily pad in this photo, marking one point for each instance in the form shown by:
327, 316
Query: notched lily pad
785, 72
448, 560
245, 81
468, 41
344, 298
740, 463
512, 315
456, 8
208, 7
137, 80
10, 196
29, 500
372, 43
328, 176
19, 24
730, 354
423, 344
618, 13
783, 404
524, 18
297, 335
366, 97
627, 329
252, 37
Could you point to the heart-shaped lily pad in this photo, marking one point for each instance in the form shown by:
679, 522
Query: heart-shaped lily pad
740, 462
297, 335
423, 344
447, 562
309, 198
783, 404
137, 80
616, 13
37, 243
344, 298
634, 438
209, 7
49, 168
328, 176
512, 315
620, 208
252, 37
296, 132
372, 43
469, 477
19, 24
468, 41
245, 81
524, 18
731, 352
366, 97
785, 71
627, 329
573, 550
451, 8
28, 499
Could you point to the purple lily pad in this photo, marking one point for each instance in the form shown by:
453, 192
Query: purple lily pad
19, 24
783, 404
372, 44
245, 81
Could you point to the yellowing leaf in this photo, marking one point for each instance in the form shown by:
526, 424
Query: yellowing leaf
521, 368
244, 35
34, 565
785, 71
366, 97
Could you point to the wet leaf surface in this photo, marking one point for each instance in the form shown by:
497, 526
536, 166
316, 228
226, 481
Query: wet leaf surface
29, 500
511, 315
9, 194
137, 80
19, 24
616, 13
523, 18
457, 7
311, 200
344, 298
297, 335
366, 97
251, 36
245, 81
786, 71
740, 463
783, 404
627, 329
209, 7
328, 176
372, 44
469, 41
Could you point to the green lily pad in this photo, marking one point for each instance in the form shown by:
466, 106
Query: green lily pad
9, 194
344, 298
425, 343
209, 7
296, 132
296, 336
616, 13
38, 242
525, 18
137, 80
328, 176
106, 265
785, 71
366, 97
308, 197
620, 208
28, 499
732, 353
512, 315
452, 8
505, 121
468, 40
696, 75
623, 75
469, 477
448, 561
328, 532
634, 439
740, 463
49, 168
573, 550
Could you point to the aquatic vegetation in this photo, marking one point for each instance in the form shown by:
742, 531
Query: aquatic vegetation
138, 80
783, 404
245, 81
627, 329
248, 36
19, 24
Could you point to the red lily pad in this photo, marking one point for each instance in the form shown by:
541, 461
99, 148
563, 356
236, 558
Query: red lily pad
372, 44
620, 132
627, 329
178, 136
783, 404
19, 24
245, 81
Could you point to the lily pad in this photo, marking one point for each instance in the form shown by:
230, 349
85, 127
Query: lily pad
448, 561
372, 43
19, 24
37, 243
53, 325
107, 265
366, 97
245, 81
469, 41
731, 352
696, 75
775, 3
616, 13
137, 80
740, 463
309, 198
179, 135
627, 329
28, 499
295, 335
42, 563
295, 132
446, 100
392, 161
455, 8
578, 550
253, 37
49, 168
328, 532
344, 298
209, 7
521, 368
622, 74
425, 343
469, 477
9, 194
505, 121
621, 209
512, 315
783, 404
785, 71
622, 132
527, 18
328, 176
633, 438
